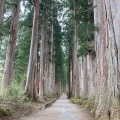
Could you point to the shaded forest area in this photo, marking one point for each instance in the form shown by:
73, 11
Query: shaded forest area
52, 46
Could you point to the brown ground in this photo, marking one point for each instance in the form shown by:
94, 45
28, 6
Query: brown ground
14, 109
62, 109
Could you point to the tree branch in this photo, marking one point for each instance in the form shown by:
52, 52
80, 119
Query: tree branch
88, 9
9, 3
6, 19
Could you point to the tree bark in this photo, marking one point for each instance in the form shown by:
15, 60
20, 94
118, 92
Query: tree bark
69, 70
43, 52
2, 3
51, 62
46, 52
41, 79
45, 62
68, 74
108, 57
8, 68
31, 77
75, 51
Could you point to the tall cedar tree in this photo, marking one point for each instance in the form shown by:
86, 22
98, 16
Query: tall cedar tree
31, 77
8, 68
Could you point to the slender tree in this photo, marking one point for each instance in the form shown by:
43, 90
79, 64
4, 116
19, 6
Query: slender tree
42, 53
75, 50
8, 68
51, 63
23, 43
31, 77
2, 2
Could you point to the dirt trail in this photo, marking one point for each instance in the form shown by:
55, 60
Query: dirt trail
62, 109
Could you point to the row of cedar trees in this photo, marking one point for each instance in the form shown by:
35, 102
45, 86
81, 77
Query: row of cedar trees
96, 75
77, 63
42, 82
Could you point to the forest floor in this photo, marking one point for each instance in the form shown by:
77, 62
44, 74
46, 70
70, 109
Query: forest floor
15, 109
62, 109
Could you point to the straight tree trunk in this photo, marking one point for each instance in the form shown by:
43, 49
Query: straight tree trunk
69, 65
51, 66
51, 72
70, 59
41, 79
8, 68
2, 3
31, 77
44, 55
85, 85
107, 19
53, 61
75, 52
53, 76
46, 52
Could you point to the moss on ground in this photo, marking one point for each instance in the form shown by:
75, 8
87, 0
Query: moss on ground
119, 115
85, 102
75, 100
104, 117
115, 109
91, 105
87, 105
10, 108
93, 111
4, 112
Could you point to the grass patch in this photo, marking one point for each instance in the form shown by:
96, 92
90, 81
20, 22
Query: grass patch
89, 104
104, 117
75, 100
4, 112
14, 102
86, 103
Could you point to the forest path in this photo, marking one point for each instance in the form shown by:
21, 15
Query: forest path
62, 109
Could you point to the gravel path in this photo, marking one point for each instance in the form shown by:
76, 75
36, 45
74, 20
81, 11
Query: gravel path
62, 109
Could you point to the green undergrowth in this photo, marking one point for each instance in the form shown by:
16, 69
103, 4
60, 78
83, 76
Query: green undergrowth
109, 111
13, 102
85, 102
104, 117
91, 105
115, 109
4, 112
14, 107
